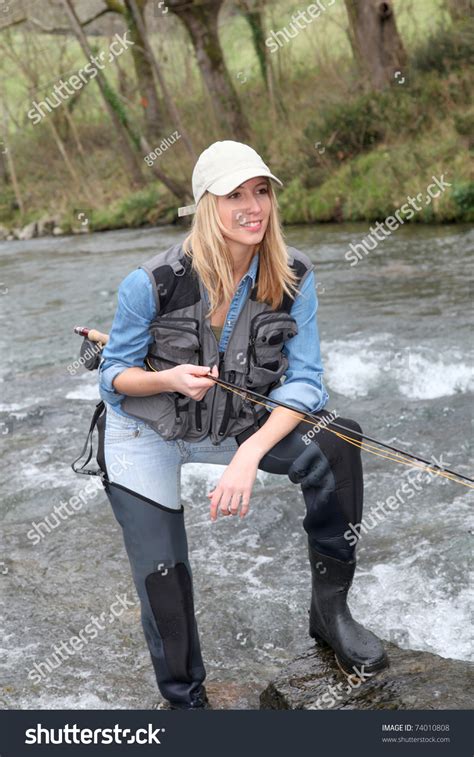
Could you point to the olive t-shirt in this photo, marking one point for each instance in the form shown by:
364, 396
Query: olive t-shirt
217, 332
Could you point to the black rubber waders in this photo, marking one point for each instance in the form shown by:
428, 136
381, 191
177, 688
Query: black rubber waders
156, 545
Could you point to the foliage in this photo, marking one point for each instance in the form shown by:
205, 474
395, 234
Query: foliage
343, 154
446, 49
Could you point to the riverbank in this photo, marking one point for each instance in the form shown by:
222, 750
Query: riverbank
344, 154
369, 188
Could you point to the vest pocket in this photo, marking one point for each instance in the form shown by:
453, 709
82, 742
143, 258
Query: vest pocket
266, 362
175, 342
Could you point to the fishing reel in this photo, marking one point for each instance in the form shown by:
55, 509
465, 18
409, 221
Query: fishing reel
91, 347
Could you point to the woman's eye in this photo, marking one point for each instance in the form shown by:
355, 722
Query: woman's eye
263, 190
234, 196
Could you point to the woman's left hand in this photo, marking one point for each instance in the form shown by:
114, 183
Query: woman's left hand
235, 485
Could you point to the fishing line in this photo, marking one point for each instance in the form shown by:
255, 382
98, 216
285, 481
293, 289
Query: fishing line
394, 452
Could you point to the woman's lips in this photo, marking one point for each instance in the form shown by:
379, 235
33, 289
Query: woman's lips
253, 226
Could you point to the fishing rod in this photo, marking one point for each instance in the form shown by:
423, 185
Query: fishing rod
312, 417
92, 334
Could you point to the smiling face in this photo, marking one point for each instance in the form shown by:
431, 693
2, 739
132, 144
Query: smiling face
245, 212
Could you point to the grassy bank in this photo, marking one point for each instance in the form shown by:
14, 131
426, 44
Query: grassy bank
344, 155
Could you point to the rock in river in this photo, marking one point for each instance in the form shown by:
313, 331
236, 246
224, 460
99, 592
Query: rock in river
414, 681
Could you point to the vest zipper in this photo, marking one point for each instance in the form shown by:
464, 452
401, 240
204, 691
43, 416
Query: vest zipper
250, 351
198, 416
178, 418
198, 413
221, 362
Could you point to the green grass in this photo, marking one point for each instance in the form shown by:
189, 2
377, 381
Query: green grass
375, 184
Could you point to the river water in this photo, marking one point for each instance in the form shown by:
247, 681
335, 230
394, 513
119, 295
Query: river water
397, 349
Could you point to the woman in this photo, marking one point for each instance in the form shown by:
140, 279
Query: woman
231, 302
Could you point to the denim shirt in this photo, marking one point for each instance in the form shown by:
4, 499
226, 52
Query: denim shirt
130, 338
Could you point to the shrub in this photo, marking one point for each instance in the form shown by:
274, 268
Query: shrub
348, 128
463, 195
446, 49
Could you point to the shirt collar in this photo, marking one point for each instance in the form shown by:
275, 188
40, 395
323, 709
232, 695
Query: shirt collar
253, 268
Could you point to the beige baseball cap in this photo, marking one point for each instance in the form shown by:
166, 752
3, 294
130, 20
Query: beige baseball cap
222, 167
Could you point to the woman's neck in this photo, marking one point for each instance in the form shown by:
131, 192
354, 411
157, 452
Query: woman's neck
241, 257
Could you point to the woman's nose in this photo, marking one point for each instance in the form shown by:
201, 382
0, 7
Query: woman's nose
254, 205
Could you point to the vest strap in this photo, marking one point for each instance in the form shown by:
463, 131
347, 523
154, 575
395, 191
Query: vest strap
88, 449
178, 268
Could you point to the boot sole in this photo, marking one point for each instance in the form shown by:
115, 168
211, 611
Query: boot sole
368, 670
348, 670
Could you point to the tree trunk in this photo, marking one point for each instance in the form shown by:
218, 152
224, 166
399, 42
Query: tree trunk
375, 41
118, 118
151, 59
4, 177
77, 180
178, 189
253, 11
144, 72
11, 165
459, 9
201, 22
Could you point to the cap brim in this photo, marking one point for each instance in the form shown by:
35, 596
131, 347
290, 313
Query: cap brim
232, 181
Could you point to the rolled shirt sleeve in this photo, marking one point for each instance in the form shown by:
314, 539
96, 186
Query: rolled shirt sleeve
303, 387
129, 337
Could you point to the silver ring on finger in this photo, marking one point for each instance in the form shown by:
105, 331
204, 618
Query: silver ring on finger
229, 507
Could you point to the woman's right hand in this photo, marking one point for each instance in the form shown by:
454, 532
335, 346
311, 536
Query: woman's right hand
190, 380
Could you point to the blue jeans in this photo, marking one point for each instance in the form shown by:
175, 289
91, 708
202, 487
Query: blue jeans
151, 466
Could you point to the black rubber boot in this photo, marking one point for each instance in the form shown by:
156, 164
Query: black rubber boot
329, 471
156, 544
358, 650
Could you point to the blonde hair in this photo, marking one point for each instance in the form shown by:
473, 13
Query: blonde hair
212, 260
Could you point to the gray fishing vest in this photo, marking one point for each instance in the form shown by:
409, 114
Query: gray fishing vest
181, 333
